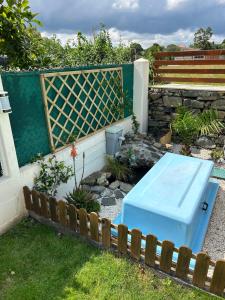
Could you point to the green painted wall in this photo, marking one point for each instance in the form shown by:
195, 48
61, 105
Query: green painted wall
28, 117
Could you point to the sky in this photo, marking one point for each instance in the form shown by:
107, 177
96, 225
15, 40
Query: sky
142, 21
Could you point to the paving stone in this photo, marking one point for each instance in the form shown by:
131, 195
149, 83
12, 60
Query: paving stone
108, 201
118, 194
114, 185
125, 187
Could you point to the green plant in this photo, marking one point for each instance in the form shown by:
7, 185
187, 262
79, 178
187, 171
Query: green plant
52, 174
83, 199
117, 169
217, 153
135, 124
189, 126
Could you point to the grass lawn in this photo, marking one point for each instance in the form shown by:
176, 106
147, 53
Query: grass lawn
35, 263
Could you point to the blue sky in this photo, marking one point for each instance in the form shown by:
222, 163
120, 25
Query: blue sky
144, 21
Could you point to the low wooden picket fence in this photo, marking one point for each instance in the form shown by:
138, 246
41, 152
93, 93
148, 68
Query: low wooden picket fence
207, 274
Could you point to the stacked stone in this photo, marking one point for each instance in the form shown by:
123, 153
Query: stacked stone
164, 102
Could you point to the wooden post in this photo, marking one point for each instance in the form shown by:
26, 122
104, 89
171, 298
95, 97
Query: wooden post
27, 197
150, 250
44, 206
218, 280
72, 212
183, 262
201, 269
166, 256
36, 204
94, 226
83, 221
62, 212
122, 238
136, 243
53, 209
106, 233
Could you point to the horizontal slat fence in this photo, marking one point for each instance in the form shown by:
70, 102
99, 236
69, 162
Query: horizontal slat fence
207, 274
198, 66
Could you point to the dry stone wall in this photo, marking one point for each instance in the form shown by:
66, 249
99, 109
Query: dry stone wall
164, 102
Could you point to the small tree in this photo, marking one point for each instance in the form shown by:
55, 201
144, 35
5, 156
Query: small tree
202, 38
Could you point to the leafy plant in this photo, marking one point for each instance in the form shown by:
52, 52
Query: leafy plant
52, 174
117, 169
15, 18
135, 124
189, 126
217, 153
83, 199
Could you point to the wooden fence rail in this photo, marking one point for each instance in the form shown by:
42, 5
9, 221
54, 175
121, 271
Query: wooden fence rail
169, 66
207, 274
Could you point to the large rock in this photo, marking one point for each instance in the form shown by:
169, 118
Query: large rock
193, 103
205, 142
154, 95
172, 101
125, 187
219, 104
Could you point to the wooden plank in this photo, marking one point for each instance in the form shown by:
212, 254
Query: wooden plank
136, 243
35, 199
44, 205
218, 280
62, 212
166, 256
182, 79
189, 53
122, 238
27, 197
150, 250
83, 221
189, 62
94, 226
53, 209
201, 269
72, 212
184, 257
106, 233
189, 71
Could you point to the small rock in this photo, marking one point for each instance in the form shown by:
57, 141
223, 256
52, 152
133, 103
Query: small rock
157, 145
108, 201
118, 194
114, 185
102, 180
125, 187
107, 193
205, 142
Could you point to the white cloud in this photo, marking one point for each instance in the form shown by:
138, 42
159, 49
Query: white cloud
220, 1
174, 4
126, 4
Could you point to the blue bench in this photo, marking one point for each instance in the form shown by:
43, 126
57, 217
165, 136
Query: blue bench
173, 201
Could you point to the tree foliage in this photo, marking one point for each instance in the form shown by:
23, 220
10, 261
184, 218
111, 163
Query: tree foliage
15, 18
202, 38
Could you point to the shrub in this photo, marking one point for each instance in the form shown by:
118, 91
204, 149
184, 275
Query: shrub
117, 169
189, 126
83, 199
52, 174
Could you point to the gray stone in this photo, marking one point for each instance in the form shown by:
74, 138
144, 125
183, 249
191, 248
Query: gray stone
190, 93
157, 145
114, 185
154, 95
97, 189
172, 101
107, 193
205, 142
108, 201
219, 104
118, 194
193, 103
125, 187
102, 179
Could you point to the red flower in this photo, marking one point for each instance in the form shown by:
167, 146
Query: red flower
73, 151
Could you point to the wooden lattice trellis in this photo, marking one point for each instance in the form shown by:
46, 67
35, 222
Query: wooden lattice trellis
81, 102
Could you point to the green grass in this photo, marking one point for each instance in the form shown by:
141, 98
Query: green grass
35, 263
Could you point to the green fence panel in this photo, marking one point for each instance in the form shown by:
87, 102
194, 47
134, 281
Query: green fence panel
28, 119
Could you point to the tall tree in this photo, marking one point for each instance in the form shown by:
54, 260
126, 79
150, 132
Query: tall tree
15, 17
202, 38
136, 51
172, 48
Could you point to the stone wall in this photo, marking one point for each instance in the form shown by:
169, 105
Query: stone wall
163, 103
